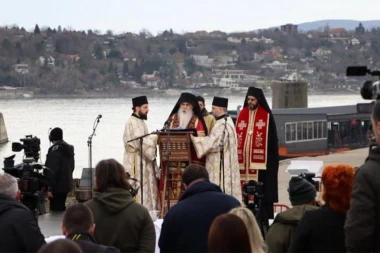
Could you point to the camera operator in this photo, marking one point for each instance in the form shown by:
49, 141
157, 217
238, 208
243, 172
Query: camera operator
18, 227
362, 227
60, 160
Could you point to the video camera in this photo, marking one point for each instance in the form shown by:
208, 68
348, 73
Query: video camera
31, 146
370, 89
252, 188
309, 177
30, 174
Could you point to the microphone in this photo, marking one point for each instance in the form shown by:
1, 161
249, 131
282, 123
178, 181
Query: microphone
167, 123
49, 136
99, 116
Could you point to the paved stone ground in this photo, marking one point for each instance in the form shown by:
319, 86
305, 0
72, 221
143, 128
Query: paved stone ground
50, 223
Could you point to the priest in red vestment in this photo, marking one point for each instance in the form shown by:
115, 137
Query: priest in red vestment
258, 147
186, 114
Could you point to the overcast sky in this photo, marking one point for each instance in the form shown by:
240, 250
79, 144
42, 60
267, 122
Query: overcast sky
180, 15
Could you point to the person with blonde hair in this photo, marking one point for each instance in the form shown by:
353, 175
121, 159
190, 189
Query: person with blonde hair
255, 237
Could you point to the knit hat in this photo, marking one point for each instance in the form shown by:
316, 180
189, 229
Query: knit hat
301, 191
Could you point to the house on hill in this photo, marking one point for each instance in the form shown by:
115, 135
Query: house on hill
337, 32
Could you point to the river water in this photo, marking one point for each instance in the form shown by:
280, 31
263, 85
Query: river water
76, 118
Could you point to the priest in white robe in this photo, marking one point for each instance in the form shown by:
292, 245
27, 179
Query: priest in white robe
223, 134
134, 128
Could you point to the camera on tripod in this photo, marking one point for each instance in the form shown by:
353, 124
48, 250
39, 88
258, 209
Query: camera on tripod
253, 189
29, 173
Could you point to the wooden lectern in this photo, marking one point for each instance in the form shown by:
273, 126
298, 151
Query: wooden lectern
175, 154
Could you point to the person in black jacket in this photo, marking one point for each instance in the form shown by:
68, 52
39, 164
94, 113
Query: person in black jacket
322, 230
186, 225
60, 161
362, 227
78, 226
18, 226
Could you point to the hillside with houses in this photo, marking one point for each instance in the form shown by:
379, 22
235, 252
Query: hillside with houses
65, 61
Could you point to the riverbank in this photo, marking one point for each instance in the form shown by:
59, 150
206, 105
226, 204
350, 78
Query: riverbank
206, 92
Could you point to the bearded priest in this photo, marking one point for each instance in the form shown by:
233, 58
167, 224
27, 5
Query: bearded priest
134, 128
258, 147
186, 114
223, 134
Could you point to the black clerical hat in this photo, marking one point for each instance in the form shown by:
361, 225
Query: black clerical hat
253, 91
139, 101
259, 95
221, 102
188, 98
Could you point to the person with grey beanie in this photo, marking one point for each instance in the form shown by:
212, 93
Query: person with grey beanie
301, 191
302, 197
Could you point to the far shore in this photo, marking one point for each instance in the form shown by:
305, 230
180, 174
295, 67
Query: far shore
28, 94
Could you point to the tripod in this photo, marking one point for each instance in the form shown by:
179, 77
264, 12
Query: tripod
257, 210
89, 143
167, 155
35, 202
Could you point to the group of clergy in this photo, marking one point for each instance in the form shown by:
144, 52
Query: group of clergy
232, 153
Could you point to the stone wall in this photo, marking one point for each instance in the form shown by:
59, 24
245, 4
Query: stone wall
289, 95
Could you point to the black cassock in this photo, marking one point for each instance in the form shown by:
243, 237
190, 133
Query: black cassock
268, 177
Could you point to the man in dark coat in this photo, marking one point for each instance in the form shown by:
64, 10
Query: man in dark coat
186, 225
258, 147
78, 226
362, 226
60, 161
18, 226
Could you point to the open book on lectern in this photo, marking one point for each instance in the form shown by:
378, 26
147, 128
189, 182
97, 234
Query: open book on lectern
180, 129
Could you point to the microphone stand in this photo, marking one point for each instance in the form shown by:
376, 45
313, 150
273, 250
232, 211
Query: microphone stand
89, 144
221, 164
167, 154
141, 138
